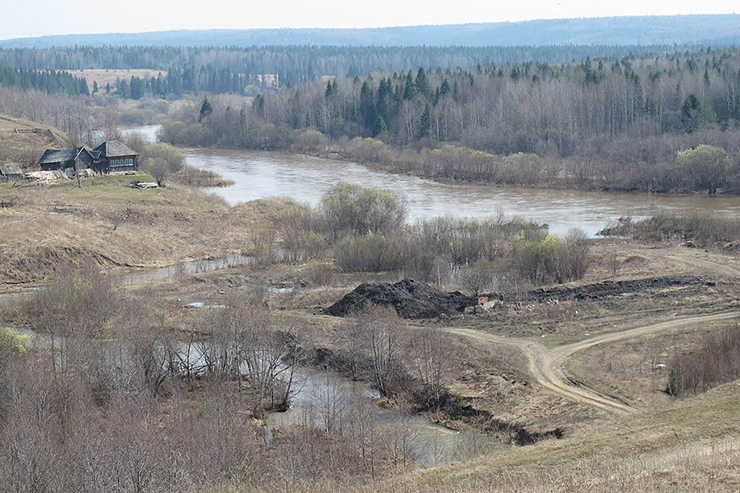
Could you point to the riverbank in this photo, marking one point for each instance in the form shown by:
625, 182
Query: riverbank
701, 168
258, 175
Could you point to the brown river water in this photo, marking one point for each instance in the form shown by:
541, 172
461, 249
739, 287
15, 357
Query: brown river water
303, 178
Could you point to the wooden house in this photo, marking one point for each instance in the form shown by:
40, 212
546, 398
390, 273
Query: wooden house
67, 159
10, 171
114, 155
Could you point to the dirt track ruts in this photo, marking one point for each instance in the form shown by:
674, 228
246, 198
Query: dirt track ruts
546, 364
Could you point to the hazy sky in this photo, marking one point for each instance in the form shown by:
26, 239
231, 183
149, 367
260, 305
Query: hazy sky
19, 18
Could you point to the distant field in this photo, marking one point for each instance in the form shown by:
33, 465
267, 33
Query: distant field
105, 76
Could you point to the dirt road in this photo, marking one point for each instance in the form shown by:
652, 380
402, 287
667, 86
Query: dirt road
546, 364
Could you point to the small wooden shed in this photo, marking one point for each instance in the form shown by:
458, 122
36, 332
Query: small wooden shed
10, 171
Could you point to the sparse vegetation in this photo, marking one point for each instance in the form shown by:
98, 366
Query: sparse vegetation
716, 362
701, 230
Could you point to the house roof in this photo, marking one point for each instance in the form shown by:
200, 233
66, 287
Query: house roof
113, 148
51, 156
10, 169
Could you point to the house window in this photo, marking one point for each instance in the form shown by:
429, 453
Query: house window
121, 162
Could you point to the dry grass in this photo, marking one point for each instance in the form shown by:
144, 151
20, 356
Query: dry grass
114, 225
637, 369
26, 148
692, 446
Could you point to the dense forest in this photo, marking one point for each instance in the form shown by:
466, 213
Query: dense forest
234, 68
617, 122
634, 30
48, 81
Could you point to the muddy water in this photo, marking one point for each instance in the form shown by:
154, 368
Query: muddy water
273, 174
323, 398
306, 179
183, 268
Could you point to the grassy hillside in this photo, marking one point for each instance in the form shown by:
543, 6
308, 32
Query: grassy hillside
23, 142
111, 224
692, 446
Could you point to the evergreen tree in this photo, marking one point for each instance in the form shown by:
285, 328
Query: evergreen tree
422, 84
368, 110
410, 88
380, 126
425, 122
691, 113
205, 109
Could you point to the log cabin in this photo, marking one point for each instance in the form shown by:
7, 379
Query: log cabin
114, 156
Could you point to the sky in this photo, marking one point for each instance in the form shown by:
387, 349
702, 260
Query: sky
32, 18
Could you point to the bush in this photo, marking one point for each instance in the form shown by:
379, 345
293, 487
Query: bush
373, 252
162, 161
11, 342
477, 277
358, 210
572, 256
309, 140
551, 258
718, 361
706, 167
196, 177
702, 229
320, 274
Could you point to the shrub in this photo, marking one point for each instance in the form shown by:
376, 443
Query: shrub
320, 274
162, 161
702, 229
718, 361
551, 258
354, 209
374, 252
11, 342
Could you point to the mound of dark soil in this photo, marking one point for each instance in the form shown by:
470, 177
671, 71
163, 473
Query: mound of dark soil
411, 299
612, 288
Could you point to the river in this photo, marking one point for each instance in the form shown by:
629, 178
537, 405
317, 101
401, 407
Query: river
258, 175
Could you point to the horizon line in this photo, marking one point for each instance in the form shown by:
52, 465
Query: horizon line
373, 28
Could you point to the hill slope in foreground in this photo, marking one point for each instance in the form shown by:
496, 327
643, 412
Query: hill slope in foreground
639, 30
692, 446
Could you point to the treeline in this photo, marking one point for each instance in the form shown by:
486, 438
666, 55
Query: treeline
48, 81
299, 64
610, 124
179, 81
523, 107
